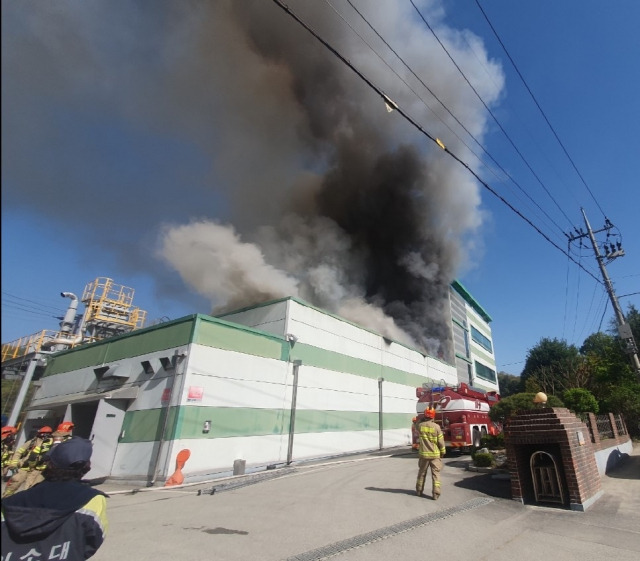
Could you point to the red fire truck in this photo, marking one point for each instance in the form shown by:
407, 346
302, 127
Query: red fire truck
462, 411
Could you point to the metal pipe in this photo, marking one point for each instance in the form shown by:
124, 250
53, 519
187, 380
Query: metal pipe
69, 320
165, 420
17, 406
380, 423
292, 422
63, 341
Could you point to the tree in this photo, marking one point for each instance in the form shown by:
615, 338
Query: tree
580, 400
600, 366
625, 399
632, 318
607, 361
548, 362
506, 407
509, 384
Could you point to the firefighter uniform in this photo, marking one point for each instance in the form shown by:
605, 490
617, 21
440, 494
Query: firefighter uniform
29, 461
431, 449
8, 442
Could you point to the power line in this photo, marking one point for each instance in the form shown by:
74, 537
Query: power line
390, 103
575, 317
11, 307
586, 318
566, 295
39, 304
490, 112
441, 103
538, 106
603, 314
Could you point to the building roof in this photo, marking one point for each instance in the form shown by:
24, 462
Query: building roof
466, 295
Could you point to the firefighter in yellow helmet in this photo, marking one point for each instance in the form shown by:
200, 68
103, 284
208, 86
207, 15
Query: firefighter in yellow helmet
29, 462
431, 449
8, 443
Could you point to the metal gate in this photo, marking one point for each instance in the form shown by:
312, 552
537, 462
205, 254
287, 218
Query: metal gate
547, 483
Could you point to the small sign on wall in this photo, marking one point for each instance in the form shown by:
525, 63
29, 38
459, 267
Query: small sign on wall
580, 438
166, 395
195, 393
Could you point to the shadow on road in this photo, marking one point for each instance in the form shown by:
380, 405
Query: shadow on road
485, 484
396, 491
628, 467
462, 464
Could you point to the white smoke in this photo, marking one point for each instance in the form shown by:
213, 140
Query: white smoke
215, 262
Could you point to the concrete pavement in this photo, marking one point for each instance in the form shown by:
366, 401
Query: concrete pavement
364, 507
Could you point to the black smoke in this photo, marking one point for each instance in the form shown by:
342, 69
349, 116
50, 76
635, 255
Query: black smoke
260, 163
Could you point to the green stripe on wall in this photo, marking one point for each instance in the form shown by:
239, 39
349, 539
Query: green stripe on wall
233, 337
141, 341
330, 360
486, 358
145, 426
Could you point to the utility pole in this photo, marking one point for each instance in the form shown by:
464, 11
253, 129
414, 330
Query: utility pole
611, 252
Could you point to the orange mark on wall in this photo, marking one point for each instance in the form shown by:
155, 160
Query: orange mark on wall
177, 478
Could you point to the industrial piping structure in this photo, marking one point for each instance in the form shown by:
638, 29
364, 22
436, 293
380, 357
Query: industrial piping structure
109, 311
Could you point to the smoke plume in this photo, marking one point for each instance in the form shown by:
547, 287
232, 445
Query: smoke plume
262, 165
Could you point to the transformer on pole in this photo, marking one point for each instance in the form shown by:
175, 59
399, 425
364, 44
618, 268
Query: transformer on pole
611, 252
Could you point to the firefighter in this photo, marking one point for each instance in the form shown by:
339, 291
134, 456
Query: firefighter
63, 432
431, 449
28, 461
8, 443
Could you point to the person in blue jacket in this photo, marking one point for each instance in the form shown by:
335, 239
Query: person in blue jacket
59, 518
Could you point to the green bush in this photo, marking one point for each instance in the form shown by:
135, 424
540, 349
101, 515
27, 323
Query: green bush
493, 442
580, 400
508, 406
482, 459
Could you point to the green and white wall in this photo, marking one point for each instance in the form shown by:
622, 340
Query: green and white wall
473, 341
144, 396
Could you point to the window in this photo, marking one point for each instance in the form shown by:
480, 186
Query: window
485, 372
481, 339
466, 344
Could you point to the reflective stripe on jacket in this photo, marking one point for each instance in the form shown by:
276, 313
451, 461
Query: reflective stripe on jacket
53, 520
431, 440
30, 454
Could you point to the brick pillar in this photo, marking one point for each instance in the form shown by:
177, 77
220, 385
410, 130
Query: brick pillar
614, 427
594, 428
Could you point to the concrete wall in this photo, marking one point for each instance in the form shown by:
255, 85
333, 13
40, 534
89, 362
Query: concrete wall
608, 458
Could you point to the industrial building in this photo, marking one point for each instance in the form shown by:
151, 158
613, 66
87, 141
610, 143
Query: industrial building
275, 383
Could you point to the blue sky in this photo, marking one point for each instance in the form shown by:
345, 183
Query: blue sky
122, 125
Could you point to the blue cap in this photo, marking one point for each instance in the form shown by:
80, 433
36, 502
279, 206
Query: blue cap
71, 451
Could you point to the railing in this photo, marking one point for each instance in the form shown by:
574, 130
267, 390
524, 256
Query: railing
620, 426
42, 340
26, 345
603, 427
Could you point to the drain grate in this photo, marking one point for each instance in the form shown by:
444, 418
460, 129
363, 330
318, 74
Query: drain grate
383, 533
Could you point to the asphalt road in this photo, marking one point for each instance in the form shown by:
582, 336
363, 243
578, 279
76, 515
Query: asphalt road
364, 508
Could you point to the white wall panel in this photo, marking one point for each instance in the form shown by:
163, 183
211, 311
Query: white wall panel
271, 318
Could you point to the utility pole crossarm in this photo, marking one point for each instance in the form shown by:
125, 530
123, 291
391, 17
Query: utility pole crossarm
624, 329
